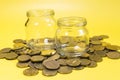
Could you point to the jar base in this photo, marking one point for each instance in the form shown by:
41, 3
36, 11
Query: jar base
70, 54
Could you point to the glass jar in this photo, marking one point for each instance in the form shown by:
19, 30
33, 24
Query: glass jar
40, 29
72, 37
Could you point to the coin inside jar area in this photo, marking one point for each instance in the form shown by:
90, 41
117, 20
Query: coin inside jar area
42, 43
71, 46
51, 62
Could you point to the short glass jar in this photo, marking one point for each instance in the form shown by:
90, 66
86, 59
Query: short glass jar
72, 37
40, 29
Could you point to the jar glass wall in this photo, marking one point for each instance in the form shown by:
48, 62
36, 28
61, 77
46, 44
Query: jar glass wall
40, 29
71, 37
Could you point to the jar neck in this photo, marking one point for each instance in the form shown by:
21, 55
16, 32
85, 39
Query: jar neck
40, 17
71, 22
40, 13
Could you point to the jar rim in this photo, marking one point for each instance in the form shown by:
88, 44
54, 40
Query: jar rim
72, 21
39, 12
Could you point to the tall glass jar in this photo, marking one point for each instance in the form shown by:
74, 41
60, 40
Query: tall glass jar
71, 36
40, 29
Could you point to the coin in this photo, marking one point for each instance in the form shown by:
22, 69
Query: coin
62, 62
81, 44
72, 42
73, 62
37, 58
38, 66
23, 58
25, 51
5, 50
19, 41
22, 64
104, 36
85, 55
101, 53
113, 55
18, 45
30, 72
80, 67
51, 64
92, 64
105, 44
85, 62
95, 57
113, 47
54, 57
48, 72
2, 55
96, 42
65, 70
11, 56
98, 47
35, 52
91, 49
64, 39
47, 52
95, 38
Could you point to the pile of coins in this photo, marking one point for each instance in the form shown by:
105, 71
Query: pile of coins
50, 62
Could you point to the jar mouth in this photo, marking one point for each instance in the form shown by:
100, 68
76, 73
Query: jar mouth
40, 12
72, 21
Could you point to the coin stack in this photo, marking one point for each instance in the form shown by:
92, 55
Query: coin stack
51, 62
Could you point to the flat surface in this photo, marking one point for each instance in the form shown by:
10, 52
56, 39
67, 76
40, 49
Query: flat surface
103, 17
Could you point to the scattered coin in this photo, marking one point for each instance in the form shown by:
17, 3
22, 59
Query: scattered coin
113, 47
95, 38
101, 53
5, 50
37, 58
2, 55
34, 52
38, 65
48, 72
23, 58
113, 55
104, 36
92, 64
98, 47
31, 64
81, 44
95, 57
80, 67
65, 69
30, 72
11, 55
19, 41
18, 45
62, 62
96, 42
51, 64
22, 64
54, 57
85, 62
47, 52
85, 55
73, 62
105, 44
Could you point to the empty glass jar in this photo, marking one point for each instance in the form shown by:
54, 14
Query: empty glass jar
71, 36
40, 29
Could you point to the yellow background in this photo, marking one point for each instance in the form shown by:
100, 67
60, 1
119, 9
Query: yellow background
103, 17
